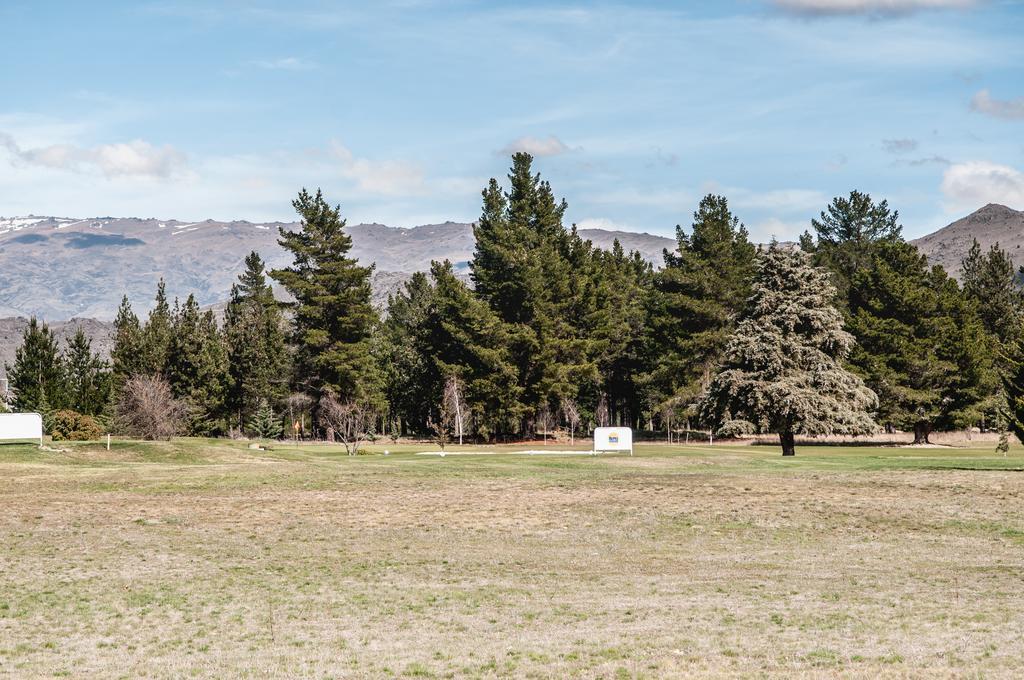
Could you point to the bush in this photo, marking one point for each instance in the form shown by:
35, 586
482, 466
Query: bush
67, 425
147, 409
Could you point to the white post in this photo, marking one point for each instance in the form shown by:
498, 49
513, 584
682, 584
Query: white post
108, 441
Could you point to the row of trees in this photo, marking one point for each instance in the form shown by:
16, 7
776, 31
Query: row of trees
549, 330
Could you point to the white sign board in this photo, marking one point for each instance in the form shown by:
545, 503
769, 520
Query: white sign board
613, 439
21, 426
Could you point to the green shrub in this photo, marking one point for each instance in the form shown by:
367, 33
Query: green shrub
68, 425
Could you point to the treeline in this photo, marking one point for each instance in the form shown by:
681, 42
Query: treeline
548, 331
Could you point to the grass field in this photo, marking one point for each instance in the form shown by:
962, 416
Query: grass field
202, 558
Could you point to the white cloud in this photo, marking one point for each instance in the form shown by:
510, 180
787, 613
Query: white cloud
286, 64
134, 158
535, 146
970, 185
781, 230
390, 178
1011, 109
601, 223
867, 7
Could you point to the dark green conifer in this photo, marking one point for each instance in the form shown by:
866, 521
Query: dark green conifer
197, 366
156, 334
462, 337
88, 377
265, 424
254, 333
37, 376
696, 300
127, 355
333, 318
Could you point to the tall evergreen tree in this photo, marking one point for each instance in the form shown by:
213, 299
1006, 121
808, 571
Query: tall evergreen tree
156, 334
696, 300
919, 346
989, 280
404, 366
254, 333
127, 356
87, 383
847, 232
617, 328
333, 316
197, 366
783, 368
37, 376
462, 337
522, 269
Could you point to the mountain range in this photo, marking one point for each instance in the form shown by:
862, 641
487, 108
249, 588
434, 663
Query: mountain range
73, 272
59, 268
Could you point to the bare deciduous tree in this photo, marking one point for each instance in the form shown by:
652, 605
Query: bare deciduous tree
450, 414
148, 409
350, 421
601, 412
571, 413
455, 405
545, 419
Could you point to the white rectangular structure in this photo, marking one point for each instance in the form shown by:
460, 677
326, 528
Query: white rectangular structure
613, 439
20, 426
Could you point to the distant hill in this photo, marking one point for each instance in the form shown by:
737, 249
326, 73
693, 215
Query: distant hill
992, 224
60, 268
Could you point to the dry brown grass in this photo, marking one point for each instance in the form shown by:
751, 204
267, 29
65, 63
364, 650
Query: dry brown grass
204, 560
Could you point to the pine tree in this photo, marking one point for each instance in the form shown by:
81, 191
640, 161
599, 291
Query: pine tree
919, 346
847, 232
990, 282
127, 357
264, 424
696, 299
783, 367
156, 334
404, 367
88, 377
462, 337
616, 326
254, 333
37, 376
522, 269
333, 316
197, 366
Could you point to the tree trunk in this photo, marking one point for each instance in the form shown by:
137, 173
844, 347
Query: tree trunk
921, 431
788, 443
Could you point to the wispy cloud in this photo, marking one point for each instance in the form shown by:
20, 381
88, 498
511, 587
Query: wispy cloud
386, 177
777, 200
285, 64
1010, 109
874, 8
973, 184
927, 160
536, 146
899, 146
134, 158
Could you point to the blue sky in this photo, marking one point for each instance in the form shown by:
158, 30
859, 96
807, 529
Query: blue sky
403, 110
